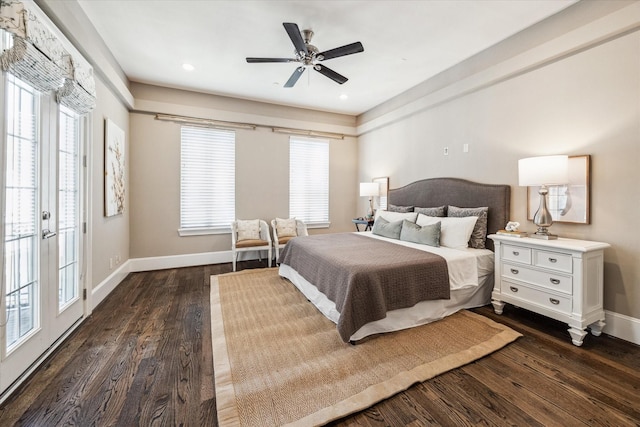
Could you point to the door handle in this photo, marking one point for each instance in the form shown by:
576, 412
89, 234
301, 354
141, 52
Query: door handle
47, 234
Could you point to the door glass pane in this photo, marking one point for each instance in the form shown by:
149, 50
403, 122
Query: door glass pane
21, 243
68, 207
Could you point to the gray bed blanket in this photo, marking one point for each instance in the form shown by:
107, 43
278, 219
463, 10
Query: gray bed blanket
366, 277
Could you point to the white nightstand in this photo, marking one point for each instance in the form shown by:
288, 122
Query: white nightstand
561, 279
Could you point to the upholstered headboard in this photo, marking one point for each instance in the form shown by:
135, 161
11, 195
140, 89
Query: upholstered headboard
435, 192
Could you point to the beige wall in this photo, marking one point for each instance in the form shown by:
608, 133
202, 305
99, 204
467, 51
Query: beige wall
109, 236
584, 101
262, 168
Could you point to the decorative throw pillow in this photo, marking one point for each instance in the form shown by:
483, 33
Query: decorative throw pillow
439, 211
403, 209
426, 235
454, 232
286, 227
384, 228
479, 234
396, 216
248, 229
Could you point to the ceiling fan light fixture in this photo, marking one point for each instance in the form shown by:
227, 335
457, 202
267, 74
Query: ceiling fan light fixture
308, 55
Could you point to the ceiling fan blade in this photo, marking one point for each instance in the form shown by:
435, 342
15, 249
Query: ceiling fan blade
295, 36
328, 72
294, 77
259, 60
341, 51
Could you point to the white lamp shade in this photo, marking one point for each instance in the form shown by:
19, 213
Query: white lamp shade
545, 170
369, 189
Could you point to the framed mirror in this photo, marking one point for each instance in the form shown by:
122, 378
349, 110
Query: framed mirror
567, 203
384, 191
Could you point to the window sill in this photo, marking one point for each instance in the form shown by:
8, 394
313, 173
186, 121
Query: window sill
318, 225
185, 232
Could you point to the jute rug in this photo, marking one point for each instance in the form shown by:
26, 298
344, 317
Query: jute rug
279, 361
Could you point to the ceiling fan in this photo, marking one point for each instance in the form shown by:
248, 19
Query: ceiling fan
309, 56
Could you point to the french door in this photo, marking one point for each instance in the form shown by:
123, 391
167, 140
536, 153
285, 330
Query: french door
41, 204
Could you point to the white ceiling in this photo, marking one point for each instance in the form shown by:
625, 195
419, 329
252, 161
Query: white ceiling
405, 43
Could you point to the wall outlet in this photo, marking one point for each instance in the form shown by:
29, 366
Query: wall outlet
110, 263
446, 151
465, 148
117, 259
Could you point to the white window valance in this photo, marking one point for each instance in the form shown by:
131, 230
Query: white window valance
39, 57
78, 91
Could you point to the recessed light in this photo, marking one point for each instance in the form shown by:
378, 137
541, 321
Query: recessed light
188, 67
344, 96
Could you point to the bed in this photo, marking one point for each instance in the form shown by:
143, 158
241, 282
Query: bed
371, 283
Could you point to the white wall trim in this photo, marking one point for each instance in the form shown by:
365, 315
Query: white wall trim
623, 327
177, 261
578, 40
104, 288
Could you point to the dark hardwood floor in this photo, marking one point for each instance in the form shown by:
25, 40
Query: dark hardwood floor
144, 358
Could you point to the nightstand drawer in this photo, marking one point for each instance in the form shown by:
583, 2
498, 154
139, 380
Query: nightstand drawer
546, 279
553, 261
516, 253
537, 297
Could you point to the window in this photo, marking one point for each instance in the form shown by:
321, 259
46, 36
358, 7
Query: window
309, 181
21, 246
68, 206
207, 180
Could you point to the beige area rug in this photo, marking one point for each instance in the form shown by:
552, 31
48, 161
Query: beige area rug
279, 361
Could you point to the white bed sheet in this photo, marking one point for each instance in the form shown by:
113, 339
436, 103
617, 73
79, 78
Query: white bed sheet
470, 278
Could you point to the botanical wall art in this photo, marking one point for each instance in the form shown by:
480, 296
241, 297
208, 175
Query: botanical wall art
114, 168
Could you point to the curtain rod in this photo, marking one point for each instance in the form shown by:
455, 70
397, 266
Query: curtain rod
221, 124
310, 133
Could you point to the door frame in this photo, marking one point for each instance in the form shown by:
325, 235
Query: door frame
49, 127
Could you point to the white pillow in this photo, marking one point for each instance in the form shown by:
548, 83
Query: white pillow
248, 229
454, 232
397, 216
286, 227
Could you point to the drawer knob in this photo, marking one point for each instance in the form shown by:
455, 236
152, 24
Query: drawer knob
513, 289
555, 281
553, 260
516, 253
554, 301
514, 271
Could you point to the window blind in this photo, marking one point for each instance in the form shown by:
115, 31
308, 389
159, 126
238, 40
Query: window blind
38, 54
309, 180
207, 179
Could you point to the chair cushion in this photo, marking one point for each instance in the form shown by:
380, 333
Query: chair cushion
286, 227
249, 243
284, 240
248, 229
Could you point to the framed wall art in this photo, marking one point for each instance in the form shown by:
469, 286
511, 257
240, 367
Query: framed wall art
114, 169
567, 203
383, 181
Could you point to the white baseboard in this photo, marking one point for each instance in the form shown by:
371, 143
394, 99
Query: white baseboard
617, 325
100, 292
133, 265
623, 327
177, 261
